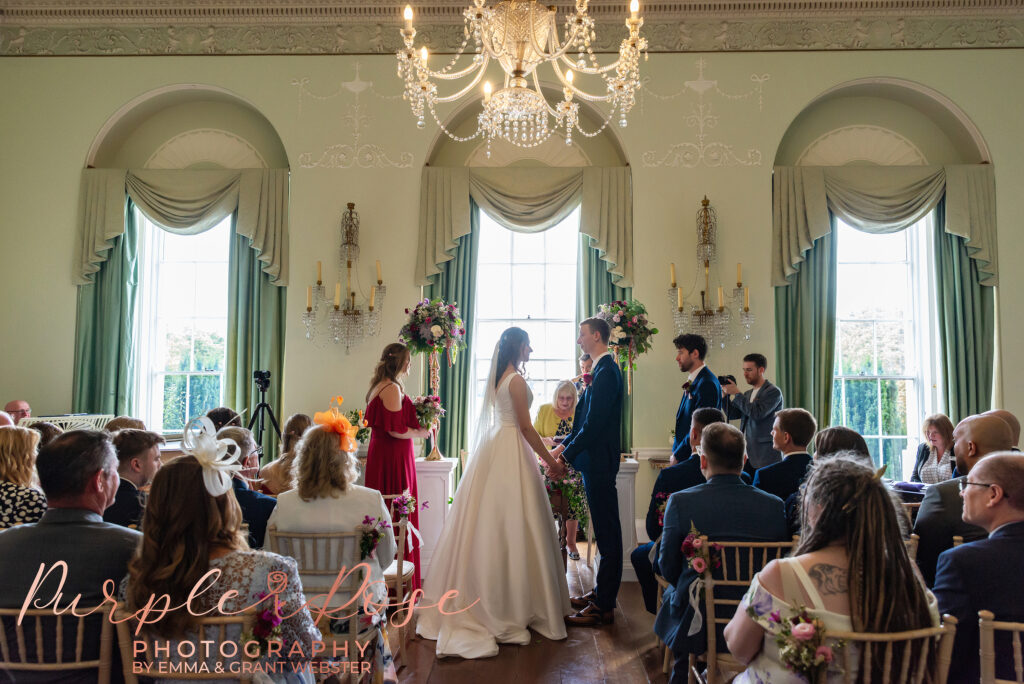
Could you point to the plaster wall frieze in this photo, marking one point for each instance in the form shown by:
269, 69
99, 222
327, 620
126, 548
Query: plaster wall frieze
382, 36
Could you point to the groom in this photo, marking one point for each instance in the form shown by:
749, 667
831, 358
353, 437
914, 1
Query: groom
593, 449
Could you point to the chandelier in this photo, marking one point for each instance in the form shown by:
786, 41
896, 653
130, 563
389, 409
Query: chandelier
521, 35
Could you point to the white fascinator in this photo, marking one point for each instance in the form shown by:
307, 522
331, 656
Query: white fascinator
218, 459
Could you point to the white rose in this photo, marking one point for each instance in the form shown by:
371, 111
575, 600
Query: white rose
436, 330
617, 333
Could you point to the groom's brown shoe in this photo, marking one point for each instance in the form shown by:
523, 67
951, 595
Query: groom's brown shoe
591, 616
581, 602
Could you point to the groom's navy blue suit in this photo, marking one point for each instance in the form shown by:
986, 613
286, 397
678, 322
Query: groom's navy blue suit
593, 449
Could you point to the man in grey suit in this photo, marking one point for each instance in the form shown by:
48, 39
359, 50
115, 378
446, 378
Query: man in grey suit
755, 409
78, 474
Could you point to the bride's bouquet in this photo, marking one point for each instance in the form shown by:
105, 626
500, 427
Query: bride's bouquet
428, 410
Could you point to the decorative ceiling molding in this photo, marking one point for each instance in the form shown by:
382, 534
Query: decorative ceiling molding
851, 144
206, 145
234, 27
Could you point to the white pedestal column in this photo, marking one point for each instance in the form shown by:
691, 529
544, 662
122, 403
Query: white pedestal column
625, 488
435, 481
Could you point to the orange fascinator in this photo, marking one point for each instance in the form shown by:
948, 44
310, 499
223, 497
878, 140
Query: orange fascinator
335, 421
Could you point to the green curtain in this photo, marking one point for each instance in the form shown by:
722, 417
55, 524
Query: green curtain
805, 330
595, 287
256, 328
456, 284
966, 325
104, 371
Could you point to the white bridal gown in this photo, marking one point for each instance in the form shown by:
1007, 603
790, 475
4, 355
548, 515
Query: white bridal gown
500, 546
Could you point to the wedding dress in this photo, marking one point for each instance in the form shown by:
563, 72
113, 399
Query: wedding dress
498, 548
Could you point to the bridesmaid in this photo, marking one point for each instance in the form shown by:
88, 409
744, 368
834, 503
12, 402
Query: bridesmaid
391, 416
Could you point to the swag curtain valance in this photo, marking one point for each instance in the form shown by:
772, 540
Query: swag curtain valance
881, 199
527, 200
185, 202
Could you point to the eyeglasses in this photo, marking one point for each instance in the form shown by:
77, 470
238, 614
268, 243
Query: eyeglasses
964, 484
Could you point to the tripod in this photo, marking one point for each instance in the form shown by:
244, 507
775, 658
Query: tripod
262, 379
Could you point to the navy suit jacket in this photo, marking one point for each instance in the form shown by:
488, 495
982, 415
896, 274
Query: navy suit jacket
756, 419
256, 510
725, 509
675, 479
982, 575
593, 444
939, 518
783, 478
128, 506
705, 392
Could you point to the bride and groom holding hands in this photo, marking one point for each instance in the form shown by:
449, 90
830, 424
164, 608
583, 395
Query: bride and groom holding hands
499, 548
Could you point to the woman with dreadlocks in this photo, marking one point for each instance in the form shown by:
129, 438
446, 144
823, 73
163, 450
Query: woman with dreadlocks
850, 570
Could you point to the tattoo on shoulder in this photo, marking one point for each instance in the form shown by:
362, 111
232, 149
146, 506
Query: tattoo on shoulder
830, 579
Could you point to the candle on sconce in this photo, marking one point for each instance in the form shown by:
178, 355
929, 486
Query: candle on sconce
309, 298
407, 15
337, 295
746, 299
739, 273
721, 303
672, 274
319, 273
379, 278
679, 298
373, 295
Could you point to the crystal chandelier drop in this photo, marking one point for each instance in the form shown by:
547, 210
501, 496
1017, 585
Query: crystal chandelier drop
521, 35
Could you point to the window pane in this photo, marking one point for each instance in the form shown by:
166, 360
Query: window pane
485, 336
857, 348
837, 403
494, 292
528, 297
873, 449
211, 289
561, 370
562, 340
536, 330
176, 294
209, 351
175, 387
892, 349
862, 406
540, 343
528, 248
892, 456
204, 393
856, 245
495, 243
177, 349
560, 291
563, 241
894, 407
872, 291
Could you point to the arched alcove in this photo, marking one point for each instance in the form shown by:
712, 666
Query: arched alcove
187, 126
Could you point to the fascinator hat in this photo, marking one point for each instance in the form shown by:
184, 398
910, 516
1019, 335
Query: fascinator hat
333, 420
217, 457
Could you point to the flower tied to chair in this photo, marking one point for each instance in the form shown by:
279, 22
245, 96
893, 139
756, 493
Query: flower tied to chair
217, 457
333, 420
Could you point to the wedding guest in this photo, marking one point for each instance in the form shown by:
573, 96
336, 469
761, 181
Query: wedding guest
700, 390
850, 569
5, 419
138, 456
585, 377
725, 508
18, 409
326, 499
792, 431
20, 501
278, 475
391, 416
985, 575
941, 514
47, 432
755, 409
934, 462
222, 416
256, 507
123, 423
1010, 420
78, 474
554, 421
833, 440
187, 537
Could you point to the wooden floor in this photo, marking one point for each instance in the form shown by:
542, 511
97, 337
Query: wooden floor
624, 652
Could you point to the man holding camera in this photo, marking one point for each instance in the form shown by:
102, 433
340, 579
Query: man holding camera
755, 410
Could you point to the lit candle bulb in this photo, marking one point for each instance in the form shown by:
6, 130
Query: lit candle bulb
739, 274
319, 273
407, 15
568, 88
309, 298
672, 273
379, 279
746, 299
337, 295
423, 55
679, 298
373, 296
721, 303
634, 8
487, 92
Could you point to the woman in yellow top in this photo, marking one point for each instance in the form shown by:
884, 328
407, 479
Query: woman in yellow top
554, 422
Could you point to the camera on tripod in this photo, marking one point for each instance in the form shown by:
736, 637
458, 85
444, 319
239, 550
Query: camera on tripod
262, 378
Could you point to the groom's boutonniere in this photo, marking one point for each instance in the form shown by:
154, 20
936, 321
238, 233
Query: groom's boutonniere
686, 387
587, 379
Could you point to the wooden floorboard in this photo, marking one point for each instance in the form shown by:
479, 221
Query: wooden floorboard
624, 652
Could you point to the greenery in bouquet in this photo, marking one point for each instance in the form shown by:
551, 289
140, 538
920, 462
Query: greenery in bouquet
371, 536
801, 642
570, 486
355, 416
434, 326
404, 505
428, 409
631, 331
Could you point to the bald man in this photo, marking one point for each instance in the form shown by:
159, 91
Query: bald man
5, 419
18, 409
941, 513
1010, 420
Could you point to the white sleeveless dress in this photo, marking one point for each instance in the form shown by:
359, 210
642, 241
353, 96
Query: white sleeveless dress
500, 546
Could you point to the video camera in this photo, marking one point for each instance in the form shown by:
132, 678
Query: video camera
262, 378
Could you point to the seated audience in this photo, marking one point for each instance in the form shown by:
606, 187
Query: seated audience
278, 475
791, 433
123, 423
725, 509
18, 409
832, 440
5, 419
670, 480
934, 462
222, 416
47, 432
20, 500
138, 456
940, 516
553, 423
256, 507
185, 537
850, 569
78, 474
326, 499
986, 574
1010, 420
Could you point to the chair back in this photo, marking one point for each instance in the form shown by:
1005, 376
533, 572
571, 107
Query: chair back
740, 562
43, 642
155, 656
912, 507
987, 629
319, 557
908, 652
911, 545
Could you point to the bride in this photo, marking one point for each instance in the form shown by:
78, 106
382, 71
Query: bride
498, 548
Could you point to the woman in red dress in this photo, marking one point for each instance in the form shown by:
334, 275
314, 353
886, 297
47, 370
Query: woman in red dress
391, 416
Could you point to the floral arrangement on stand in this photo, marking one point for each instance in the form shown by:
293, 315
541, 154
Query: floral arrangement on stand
266, 630
631, 333
801, 642
570, 486
371, 536
355, 417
